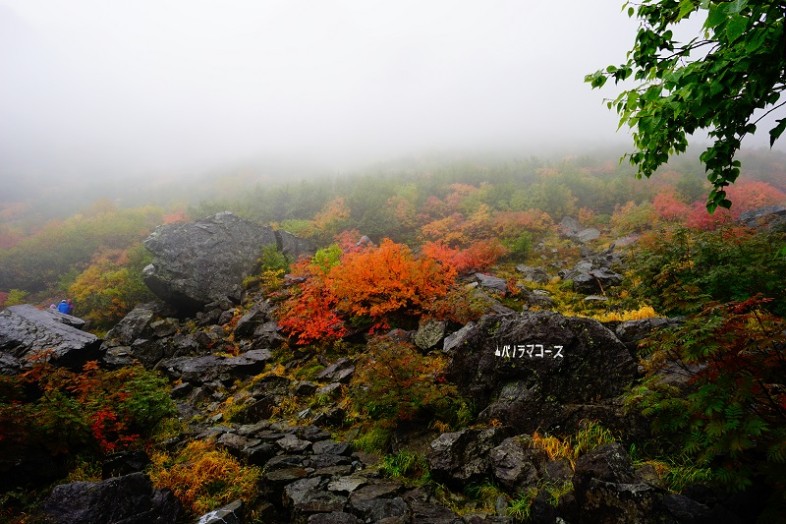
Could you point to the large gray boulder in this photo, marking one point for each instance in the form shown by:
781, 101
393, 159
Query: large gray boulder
130, 499
26, 331
541, 370
206, 261
770, 218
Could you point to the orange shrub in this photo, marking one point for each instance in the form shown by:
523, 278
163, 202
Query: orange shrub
478, 256
387, 279
373, 284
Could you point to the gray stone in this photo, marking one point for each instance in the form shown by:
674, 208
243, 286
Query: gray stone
290, 443
462, 456
541, 370
499, 285
232, 513
251, 320
770, 218
330, 446
26, 331
305, 497
515, 464
587, 235
347, 484
631, 332
210, 367
569, 226
533, 274
340, 371
201, 262
9, 364
430, 333
128, 499
335, 517
136, 324
459, 338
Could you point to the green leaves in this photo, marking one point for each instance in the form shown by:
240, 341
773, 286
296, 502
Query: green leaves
738, 70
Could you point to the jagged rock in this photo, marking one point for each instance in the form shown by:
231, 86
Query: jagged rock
458, 338
305, 496
539, 298
290, 443
267, 334
331, 390
426, 512
305, 388
232, 513
533, 274
9, 364
587, 235
335, 517
124, 463
770, 218
331, 416
26, 331
515, 464
593, 281
540, 370
377, 500
609, 463
327, 460
331, 447
631, 332
347, 484
271, 384
128, 499
201, 262
210, 367
136, 324
569, 226
462, 456
340, 371
236, 444
688, 511
606, 490
429, 334
254, 317
499, 285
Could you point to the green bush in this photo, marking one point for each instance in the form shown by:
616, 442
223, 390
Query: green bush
678, 270
727, 413
272, 259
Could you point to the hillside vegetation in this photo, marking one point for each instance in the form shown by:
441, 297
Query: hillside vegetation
449, 243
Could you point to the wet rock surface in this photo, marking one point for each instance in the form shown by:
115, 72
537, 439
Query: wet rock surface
540, 370
206, 261
128, 499
26, 331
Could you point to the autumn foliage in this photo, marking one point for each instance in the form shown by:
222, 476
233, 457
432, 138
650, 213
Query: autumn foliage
478, 256
376, 286
93, 411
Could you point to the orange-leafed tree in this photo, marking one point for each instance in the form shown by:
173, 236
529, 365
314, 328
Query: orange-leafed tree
478, 256
376, 286
388, 279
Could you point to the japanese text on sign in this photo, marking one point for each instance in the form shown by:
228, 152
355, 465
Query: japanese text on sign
528, 350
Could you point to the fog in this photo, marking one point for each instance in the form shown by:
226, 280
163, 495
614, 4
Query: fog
99, 90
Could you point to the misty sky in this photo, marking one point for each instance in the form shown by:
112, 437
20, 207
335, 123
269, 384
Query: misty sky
98, 87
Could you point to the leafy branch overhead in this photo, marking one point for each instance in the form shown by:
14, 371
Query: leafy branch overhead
724, 81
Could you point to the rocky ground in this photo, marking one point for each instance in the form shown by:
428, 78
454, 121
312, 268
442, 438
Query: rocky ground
529, 373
